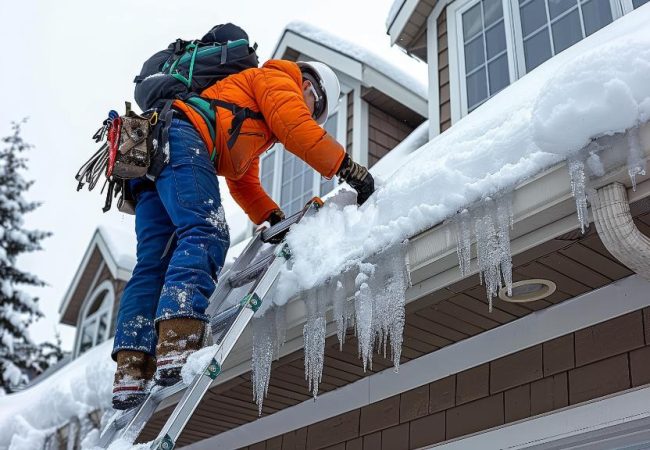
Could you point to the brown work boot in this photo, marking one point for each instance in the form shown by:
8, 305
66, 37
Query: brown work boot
131, 384
177, 340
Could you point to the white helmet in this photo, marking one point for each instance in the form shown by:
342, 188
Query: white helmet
327, 83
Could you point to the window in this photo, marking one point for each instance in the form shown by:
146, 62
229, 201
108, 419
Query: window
297, 183
494, 42
485, 51
551, 26
96, 318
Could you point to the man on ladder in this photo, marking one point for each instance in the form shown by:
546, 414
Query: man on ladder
162, 317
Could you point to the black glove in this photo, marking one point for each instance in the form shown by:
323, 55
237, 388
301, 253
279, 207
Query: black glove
358, 177
275, 216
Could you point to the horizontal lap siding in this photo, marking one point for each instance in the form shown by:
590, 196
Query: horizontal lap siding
350, 124
443, 73
590, 363
385, 132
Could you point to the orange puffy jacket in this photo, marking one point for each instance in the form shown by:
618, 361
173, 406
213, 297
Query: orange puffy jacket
275, 90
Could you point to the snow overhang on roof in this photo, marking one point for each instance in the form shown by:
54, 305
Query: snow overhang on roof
406, 24
356, 62
113, 247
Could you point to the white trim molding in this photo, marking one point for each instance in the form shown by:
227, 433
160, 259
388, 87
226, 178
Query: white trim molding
616, 421
107, 306
616, 299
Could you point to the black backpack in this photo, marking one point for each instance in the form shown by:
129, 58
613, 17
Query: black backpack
186, 68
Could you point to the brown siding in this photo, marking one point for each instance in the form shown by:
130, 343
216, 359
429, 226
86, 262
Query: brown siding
350, 124
384, 133
532, 381
443, 73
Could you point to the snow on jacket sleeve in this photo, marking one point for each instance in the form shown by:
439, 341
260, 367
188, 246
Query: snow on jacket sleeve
250, 195
278, 92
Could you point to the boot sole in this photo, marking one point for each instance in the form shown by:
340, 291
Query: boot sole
128, 401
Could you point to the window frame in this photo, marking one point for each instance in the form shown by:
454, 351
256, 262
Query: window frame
514, 46
457, 51
107, 306
617, 13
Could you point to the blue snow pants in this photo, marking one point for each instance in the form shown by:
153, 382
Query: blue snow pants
182, 242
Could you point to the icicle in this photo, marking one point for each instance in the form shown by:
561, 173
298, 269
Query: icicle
363, 306
578, 189
504, 225
314, 338
341, 310
636, 164
487, 248
463, 241
493, 220
388, 289
268, 336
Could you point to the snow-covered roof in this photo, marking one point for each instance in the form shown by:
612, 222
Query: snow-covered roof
28, 417
391, 70
597, 87
121, 243
393, 12
116, 246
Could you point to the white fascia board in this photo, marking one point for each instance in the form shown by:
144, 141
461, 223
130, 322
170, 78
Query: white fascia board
395, 90
401, 19
615, 421
538, 327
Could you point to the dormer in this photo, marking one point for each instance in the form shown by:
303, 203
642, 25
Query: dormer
92, 299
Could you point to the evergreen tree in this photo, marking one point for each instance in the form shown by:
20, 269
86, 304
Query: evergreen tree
18, 353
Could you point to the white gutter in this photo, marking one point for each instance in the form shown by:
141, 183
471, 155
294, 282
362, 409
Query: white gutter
617, 230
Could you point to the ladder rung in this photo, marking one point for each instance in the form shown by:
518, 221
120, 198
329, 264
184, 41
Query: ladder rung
251, 273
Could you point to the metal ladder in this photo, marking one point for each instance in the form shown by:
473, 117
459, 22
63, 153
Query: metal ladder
253, 274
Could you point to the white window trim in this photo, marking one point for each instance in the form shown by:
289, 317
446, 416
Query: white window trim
617, 13
455, 30
109, 305
514, 46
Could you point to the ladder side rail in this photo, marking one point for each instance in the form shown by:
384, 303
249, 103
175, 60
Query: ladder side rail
177, 421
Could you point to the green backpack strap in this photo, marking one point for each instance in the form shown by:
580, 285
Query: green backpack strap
204, 109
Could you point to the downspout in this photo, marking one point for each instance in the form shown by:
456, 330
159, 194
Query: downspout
617, 230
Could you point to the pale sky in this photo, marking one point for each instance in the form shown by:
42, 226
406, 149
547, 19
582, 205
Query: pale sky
67, 62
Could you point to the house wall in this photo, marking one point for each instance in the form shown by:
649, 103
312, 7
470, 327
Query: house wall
350, 123
605, 358
385, 132
443, 73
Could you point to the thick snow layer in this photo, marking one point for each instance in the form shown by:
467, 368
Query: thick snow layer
393, 12
597, 87
361, 54
29, 416
121, 242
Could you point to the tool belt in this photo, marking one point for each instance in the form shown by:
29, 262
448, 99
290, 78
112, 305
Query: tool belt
127, 153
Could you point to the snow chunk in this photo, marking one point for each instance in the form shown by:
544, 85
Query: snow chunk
606, 78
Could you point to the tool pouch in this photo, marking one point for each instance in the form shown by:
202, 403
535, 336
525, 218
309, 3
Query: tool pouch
135, 148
